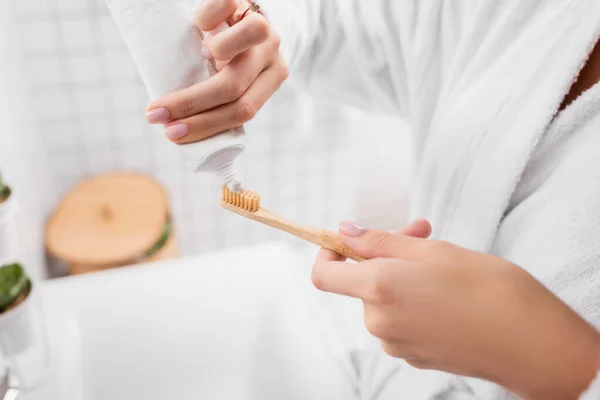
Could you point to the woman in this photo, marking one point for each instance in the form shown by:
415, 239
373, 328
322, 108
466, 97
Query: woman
502, 100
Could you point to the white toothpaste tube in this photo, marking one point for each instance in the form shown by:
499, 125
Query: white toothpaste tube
165, 44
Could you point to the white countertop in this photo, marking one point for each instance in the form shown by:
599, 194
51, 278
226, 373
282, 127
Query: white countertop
238, 324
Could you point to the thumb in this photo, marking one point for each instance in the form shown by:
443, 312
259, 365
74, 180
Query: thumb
420, 228
375, 244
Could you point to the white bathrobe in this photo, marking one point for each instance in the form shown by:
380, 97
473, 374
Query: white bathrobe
480, 82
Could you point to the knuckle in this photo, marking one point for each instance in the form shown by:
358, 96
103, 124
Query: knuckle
233, 90
280, 74
381, 241
375, 325
207, 18
276, 41
200, 19
245, 110
228, 6
219, 49
185, 107
285, 73
381, 291
392, 350
259, 28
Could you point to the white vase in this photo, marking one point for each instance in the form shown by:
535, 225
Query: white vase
23, 342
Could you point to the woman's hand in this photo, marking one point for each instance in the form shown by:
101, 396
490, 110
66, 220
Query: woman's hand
250, 68
443, 307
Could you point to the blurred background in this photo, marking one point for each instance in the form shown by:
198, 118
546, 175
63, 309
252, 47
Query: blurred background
73, 108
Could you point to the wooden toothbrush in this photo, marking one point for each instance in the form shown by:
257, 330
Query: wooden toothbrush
247, 204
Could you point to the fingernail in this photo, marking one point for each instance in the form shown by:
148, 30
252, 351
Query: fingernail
351, 229
206, 53
158, 116
177, 131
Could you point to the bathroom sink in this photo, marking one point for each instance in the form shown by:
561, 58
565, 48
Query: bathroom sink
229, 325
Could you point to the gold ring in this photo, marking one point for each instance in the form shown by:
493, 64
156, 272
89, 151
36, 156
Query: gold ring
252, 7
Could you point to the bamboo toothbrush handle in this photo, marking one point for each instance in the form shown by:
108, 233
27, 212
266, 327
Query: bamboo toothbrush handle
321, 237
331, 241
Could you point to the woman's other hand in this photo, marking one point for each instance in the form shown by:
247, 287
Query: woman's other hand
443, 307
250, 66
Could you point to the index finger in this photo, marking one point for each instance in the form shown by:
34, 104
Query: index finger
213, 13
339, 277
328, 255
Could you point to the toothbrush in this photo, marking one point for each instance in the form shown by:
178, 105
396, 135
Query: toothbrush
247, 204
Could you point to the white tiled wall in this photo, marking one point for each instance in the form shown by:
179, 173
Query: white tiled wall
21, 155
87, 104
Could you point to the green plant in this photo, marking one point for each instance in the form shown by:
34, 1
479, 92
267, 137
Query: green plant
4, 190
14, 286
162, 240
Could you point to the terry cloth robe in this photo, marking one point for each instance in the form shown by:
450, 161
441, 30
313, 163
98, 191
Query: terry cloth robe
497, 169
